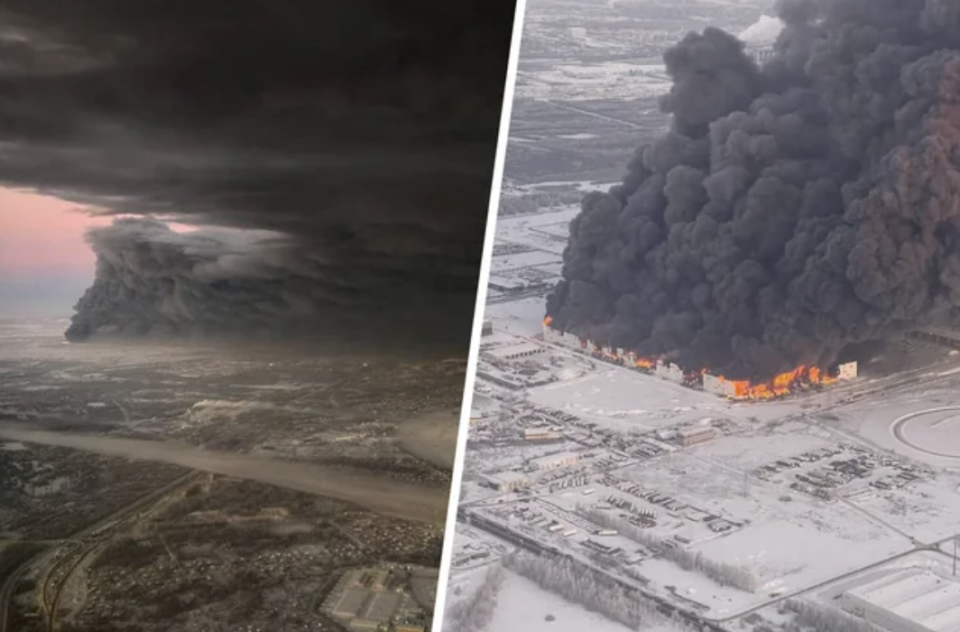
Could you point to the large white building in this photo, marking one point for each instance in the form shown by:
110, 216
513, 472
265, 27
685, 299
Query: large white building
554, 461
912, 600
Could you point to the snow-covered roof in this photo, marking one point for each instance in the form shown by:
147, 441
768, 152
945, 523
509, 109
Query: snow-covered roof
555, 458
506, 478
930, 600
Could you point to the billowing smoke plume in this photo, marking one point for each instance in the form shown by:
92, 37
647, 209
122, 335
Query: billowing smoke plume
792, 210
154, 281
360, 135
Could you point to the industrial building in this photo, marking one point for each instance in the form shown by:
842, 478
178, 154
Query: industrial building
912, 600
487, 328
507, 285
670, 372
372, 600
507, 481
693, 436
943, 337
762, 55
515, 351
710, 383
476, 417
541, 434
554, 461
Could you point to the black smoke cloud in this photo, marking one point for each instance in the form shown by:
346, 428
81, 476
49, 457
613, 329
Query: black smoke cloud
154, 281
361, 135
791, 210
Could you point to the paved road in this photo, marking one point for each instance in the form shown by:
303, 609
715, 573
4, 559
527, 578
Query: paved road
6, 594
410, 501
9, 583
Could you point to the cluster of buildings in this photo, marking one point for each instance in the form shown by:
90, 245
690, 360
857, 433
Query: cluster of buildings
375, 600
542, 434
513, 481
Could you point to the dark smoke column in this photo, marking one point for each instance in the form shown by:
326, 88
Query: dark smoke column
790, 210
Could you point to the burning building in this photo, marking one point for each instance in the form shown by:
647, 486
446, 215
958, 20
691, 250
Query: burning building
783, 384
794, 209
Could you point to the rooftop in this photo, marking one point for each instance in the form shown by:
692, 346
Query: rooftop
506, 477
552, 458
350, 602
920, 596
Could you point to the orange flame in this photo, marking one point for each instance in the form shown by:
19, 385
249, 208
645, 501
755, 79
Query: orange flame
645, 363
547, 321
781, 385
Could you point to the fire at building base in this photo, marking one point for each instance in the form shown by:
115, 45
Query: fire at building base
797, 380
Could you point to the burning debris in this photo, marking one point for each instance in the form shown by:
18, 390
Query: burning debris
780, 386
792, 210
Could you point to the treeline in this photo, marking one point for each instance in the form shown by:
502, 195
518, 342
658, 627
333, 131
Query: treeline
809, 615
475, 612
538, 202
720, 572
581, 585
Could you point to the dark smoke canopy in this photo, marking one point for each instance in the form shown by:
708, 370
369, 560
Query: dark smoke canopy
230, 283
791, 210
362, 133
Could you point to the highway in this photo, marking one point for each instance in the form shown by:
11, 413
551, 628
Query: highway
77, 540
6, 594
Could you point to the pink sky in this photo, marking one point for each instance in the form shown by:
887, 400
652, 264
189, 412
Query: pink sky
43, 236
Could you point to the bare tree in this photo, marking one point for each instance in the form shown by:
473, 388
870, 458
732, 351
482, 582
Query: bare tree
475, 612
720, 572
580, 584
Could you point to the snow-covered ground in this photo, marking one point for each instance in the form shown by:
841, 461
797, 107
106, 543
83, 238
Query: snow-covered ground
619, 398
524, 606
590, 81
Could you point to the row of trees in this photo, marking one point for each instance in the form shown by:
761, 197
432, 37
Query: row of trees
539, 202
475, 612
581, 585
809, 615
720, 572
